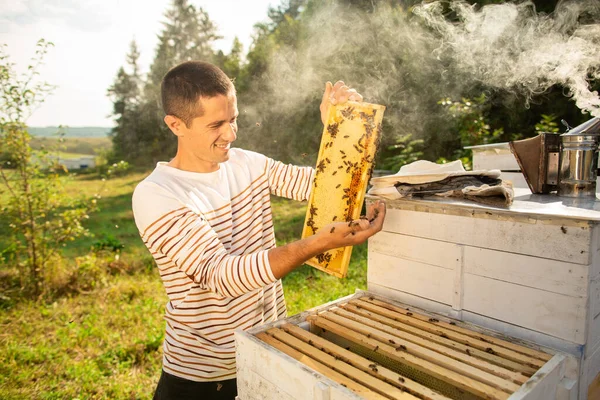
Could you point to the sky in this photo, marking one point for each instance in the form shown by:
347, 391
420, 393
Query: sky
91, 39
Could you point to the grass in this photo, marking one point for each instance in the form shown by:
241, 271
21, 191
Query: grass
106, 342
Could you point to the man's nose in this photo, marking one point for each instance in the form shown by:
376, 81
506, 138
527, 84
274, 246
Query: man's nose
230, 132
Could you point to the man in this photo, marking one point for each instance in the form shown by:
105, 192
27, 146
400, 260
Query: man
206, 218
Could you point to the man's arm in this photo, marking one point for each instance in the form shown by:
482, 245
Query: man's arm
286, 258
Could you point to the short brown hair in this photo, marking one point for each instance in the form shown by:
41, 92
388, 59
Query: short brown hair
183, 85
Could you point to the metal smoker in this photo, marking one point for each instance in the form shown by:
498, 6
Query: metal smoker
566, 163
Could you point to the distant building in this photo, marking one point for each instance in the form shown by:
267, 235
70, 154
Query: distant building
78, 163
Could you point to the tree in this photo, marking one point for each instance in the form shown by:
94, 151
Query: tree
39, 218
126, 95
188, 34
232, 63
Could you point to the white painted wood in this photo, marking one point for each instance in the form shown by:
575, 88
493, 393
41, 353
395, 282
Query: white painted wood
551, 313
459, 274
593, 333
594, 272
495, 160
429, 281
567, 389
264, 373
540, 273
530, 237
415, 301
591, 369
517, 179
446, 255
543, 384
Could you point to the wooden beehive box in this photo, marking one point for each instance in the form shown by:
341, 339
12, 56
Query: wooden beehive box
531, 271
368, 347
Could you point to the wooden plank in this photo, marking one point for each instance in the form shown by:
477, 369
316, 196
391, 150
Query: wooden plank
462, 382
544, 383
521, 371
319, 367
412, 277
363, 378
362, 363
424, 353
512, 232
446, 327
447, 255
464, 357
253, 386
551, 313
274, 369
458, 289
549, 275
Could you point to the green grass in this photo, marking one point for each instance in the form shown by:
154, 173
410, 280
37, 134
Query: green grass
105, 342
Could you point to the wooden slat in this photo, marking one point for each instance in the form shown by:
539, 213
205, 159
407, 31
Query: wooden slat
463, 382
340, 366
503, 373
481, 341
538, 310
490, 231
318, 367
522, 370
486, 338
364, 364
407, 275
424, 353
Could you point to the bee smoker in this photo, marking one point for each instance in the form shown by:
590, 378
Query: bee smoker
566, 163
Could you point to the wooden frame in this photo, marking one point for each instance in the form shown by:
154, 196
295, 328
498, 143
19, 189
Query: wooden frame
443, 349
344, 165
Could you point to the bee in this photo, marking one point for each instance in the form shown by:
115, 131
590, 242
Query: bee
303, 155
332, 230
258, 124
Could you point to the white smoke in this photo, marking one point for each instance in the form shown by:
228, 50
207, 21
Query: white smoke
510, 46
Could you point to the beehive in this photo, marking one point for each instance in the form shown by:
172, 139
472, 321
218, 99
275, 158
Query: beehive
373, 348
348, 146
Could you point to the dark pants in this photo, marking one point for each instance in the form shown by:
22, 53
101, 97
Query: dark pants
174, 388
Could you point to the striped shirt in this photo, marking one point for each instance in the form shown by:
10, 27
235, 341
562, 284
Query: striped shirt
210, 234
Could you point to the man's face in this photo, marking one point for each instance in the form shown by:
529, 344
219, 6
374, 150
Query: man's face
206, 141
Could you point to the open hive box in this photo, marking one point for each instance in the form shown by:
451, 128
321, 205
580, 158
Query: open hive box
368, 347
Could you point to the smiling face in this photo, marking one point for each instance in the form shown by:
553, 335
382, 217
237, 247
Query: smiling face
206, 140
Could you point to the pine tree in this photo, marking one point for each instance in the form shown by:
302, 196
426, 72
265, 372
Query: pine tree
188, 34
126, 95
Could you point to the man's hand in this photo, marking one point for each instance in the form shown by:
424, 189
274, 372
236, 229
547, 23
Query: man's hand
341, 234
337, 94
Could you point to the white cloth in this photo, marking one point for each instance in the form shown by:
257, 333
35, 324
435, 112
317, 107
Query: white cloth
422, 171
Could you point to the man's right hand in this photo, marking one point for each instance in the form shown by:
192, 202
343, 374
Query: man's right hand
341, 234
284, 259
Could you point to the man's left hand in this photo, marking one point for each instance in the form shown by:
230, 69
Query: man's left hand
337, 94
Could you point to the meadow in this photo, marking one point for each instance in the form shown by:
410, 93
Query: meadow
101, 337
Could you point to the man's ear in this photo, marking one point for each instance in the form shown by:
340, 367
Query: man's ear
175, 125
